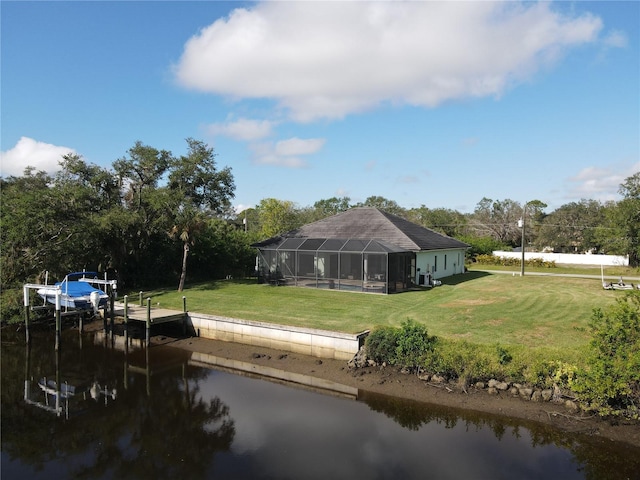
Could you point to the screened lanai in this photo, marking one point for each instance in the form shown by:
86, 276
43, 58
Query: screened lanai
363, 265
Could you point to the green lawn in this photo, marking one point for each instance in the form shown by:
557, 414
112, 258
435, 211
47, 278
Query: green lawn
532, 311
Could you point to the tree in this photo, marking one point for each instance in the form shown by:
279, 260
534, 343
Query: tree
331, 206
198, 191
142, 172
277, 216
572, 227
24, 227
222, 249
624, 221
389, 206
499, 219
443, 220
144, 233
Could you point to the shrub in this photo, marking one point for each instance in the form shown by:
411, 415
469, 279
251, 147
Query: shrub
462, 360
610, 383
381, 345
414, 343
470, 362
512, 262
547, 373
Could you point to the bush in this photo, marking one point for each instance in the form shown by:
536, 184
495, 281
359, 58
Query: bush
470, 363
547, 373
407, 346
465, 361
381, 345
512, 262
610, 383
414, 343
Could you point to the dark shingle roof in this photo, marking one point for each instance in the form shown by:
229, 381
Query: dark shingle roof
372, 223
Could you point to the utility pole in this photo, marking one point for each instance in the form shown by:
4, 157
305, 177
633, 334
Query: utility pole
521, 224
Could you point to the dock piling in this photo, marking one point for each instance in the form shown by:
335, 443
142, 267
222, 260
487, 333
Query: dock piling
184, 319
148, 321
112, 312
58, 321
25, 291
126, 322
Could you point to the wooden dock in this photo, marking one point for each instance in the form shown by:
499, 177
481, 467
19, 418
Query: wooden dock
156, 315
150, 316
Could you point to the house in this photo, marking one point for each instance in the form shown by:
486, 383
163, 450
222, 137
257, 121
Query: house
362, 249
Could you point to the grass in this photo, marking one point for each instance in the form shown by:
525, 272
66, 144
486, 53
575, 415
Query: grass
539, 312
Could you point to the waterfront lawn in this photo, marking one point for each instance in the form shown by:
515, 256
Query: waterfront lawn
532, 311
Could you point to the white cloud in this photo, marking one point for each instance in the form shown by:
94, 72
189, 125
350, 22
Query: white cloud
31, 153
242, 129
331, 59
298, 146
615, 39
600, 183
241, 207
286, 153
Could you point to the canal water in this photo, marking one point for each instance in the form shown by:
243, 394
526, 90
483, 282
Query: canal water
100, 409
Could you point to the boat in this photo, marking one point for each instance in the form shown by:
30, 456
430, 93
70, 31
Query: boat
76, 291
620, 286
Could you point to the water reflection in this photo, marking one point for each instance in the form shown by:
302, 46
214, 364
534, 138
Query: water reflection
175, 414
157, 426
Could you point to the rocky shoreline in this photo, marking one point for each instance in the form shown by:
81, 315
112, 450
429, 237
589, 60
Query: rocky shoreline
548, 407
492, 387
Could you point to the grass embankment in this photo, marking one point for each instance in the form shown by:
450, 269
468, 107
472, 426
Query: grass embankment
531, 312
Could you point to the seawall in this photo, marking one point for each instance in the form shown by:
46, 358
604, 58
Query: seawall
306, 341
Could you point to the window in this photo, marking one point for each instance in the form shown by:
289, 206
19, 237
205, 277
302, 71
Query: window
435, 263
445, 262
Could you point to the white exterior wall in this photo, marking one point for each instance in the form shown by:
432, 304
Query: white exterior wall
434, 262
570, 258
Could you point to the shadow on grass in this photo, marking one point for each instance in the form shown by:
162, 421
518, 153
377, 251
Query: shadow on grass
217, 284
464, 277
201, 286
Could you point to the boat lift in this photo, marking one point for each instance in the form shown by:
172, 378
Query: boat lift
58, 293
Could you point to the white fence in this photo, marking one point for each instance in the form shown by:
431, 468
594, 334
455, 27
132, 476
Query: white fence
570, 258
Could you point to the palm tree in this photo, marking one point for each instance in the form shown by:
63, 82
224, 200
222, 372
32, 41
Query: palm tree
189, 224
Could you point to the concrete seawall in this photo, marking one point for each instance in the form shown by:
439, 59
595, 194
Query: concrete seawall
306, 341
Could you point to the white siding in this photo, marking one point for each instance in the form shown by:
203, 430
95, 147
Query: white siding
440, 263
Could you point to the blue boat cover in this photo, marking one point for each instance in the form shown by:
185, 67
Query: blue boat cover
78, 289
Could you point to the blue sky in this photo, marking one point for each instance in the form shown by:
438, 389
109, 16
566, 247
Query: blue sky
425, 103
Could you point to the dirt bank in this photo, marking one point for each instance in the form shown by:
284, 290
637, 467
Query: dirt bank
390, 381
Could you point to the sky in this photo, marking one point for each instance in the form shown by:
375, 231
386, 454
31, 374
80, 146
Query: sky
436, 104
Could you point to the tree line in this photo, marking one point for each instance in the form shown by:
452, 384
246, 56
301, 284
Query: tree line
155, 219
577, 227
